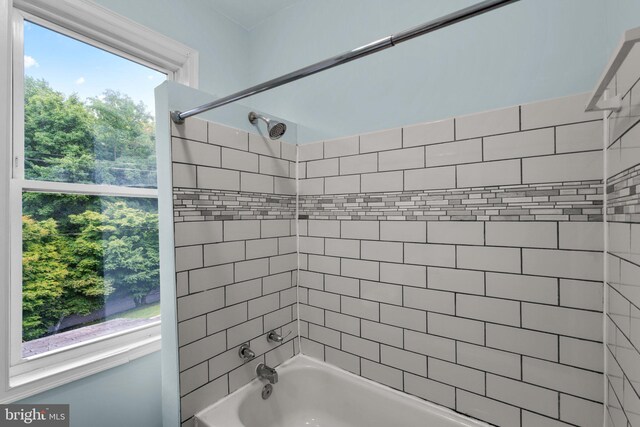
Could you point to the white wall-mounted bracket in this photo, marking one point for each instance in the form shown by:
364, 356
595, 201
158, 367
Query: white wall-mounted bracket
629, 39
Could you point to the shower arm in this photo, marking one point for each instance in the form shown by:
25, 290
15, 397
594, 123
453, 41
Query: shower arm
359, 52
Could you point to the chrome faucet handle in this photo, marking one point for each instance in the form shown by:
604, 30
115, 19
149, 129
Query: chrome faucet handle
245, 352
275, 337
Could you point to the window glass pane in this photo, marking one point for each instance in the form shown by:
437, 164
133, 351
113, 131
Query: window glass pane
88, 113
90, 268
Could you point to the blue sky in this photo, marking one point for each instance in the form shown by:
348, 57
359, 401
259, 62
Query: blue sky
71, 66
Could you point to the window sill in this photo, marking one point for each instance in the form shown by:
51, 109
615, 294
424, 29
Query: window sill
115, 351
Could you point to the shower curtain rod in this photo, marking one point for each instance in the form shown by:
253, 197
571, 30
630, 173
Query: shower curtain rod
359, 52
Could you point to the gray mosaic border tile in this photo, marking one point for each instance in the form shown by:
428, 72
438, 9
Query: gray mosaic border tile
567, 201
623, 196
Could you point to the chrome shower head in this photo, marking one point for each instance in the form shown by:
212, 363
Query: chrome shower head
276, 129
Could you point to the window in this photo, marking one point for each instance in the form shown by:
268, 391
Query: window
84, 225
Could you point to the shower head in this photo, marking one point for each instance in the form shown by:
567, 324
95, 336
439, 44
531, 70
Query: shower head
276, 129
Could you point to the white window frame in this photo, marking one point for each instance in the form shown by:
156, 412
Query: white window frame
83, 20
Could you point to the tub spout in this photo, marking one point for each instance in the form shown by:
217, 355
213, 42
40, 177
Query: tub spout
266, 373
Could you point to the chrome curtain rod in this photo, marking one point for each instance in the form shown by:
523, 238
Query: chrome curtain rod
359, 52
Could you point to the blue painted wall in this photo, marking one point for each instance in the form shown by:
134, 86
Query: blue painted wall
528, 51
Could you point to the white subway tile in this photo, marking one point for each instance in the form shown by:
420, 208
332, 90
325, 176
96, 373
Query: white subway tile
524, 234
244, 332
324, 300
360, 269
260, 248
456, 328
193, 128
277, 282
403, 317
324, 335
363, 348
192, 330
342, 184
579, 137
189, 257
382, 251
521, 144
194, 233
210, 277
522, 341
577, 382
311, 314
193, 378
309, 187
493, 310
581, 294
408, 158
322, 228
563, 167
316, 168
182, 284
432, 391
358, 164
430, 179
523, 395
587, 236
243, 291
405, 360
223, 253
488, 123
430, 300
239, 160
312, 348
241, 230
277, 167
263, 305
456, 232
228, 137
324, 264
342, 248
310, 151
489, 410
383, 292
428, 133
342, 147
263, 145
562, 321
201, 350
341, 322
403, 231
289, 151
202, 397
488, 359
430, 345
580, 412
257, 183
449, 279
360, 308
503, 172
430, 254
382, 374
309, 279
343, 360
382, 140
246, 270
558, 111
342, 285
489, 258
522, 288
284, 186
565, 264
280, 263
226, 318
380, 332
218, 179
244, 374
404, 274
582, 354
184, 175
195, 153
456, 375
312, 245
382, 181
454, 153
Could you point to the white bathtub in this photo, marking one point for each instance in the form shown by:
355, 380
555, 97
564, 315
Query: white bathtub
310, 393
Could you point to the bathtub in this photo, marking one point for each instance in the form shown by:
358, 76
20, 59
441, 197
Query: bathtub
311, 393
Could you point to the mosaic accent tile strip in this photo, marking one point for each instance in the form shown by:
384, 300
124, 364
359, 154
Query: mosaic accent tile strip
568, 201
623, 196
218, 205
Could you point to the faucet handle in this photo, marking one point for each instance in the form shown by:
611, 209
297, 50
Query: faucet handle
275, 337
245, 352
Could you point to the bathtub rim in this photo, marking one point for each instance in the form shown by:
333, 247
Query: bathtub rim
300, 361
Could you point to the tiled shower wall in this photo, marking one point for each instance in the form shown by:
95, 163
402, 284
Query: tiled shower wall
623, 255
236, 262
461, 261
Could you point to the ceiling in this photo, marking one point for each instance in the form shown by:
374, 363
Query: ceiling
249, 13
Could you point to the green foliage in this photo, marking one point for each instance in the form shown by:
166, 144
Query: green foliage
79, 251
